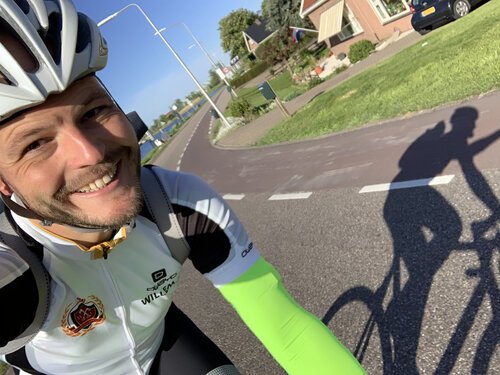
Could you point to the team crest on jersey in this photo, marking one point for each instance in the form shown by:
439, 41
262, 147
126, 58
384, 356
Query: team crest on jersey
83, 316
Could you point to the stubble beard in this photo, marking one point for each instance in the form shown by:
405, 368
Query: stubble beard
59, 209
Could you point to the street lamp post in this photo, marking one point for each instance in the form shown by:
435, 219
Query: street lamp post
208, 56
158, 32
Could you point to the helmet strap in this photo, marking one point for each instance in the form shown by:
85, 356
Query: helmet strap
20, 210
26, 213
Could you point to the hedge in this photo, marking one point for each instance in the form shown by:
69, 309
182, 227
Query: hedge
250, 74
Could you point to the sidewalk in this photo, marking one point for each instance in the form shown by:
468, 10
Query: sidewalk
247, 135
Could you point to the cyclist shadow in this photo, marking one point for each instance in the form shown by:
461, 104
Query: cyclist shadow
425, 229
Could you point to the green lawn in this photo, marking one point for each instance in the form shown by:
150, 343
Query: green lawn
282, 84
252, 94
457, 61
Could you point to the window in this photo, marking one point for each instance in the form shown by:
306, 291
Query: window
388, 10
350, 25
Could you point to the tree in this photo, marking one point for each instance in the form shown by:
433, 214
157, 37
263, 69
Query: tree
166, 118
281, 14
179, 104
278, 49
231, 28
213, 80
157, 126
193, 95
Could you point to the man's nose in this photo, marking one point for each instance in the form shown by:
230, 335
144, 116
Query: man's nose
82, 148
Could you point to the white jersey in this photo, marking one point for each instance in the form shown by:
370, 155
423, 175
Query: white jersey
106, 314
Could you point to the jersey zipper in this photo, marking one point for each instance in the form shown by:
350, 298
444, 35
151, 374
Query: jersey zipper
122, 315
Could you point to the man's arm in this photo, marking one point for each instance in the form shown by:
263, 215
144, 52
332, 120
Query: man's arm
19, 294
222, 250
483, 143
298, 340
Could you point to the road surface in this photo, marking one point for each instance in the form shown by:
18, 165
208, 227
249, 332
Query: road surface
386, 233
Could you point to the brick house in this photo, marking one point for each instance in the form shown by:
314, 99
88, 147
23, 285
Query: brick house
341, 23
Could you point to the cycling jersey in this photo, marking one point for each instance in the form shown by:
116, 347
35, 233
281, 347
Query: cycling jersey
108, 303
106, 315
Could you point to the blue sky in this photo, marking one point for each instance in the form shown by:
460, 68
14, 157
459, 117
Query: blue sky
142, 74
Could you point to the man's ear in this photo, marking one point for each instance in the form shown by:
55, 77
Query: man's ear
4, 188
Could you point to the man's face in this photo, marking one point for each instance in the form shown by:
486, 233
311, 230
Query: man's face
74, 159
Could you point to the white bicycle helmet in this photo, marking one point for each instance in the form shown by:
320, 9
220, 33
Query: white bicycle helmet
45, 45
63, 46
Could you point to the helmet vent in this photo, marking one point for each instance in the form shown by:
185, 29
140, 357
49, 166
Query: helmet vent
4, 80
53, 38
84, 35
23, 5
17, 48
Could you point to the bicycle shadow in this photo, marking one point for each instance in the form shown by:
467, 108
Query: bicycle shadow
425, 229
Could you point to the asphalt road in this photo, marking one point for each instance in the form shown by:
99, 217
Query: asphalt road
407, 278
365, 156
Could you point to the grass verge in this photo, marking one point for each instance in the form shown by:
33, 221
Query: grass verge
282, 84
457, 61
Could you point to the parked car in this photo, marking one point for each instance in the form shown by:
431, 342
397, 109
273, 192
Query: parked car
427, 14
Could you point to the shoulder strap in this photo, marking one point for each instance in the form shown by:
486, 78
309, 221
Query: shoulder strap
9, 237
160, 208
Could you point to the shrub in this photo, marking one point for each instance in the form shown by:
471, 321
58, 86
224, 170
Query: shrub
249, 74
260, 109
216, 128
293, 95
240, 107
314, 82
340, 69
360, 50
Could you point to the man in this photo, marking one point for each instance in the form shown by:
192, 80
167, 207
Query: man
70, 177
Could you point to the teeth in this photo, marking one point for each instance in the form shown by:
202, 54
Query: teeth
107, 178
99, 183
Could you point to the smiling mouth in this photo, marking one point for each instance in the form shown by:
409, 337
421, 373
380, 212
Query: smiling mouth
99, 183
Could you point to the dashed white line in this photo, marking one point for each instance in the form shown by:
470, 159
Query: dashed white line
234, 197
281, 197
185, 148
210, 126
439, 180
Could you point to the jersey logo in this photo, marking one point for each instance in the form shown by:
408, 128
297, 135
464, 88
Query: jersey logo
163, 285
159, 278
83, 316
158, 275
245, 252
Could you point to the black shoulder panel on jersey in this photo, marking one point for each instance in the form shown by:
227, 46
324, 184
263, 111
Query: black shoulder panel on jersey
20, 360
209, 244
34, 246
19, 303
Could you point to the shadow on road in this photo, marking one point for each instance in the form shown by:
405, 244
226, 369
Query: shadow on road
425, 229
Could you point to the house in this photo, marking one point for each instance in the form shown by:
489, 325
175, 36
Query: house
341, 23
256, 34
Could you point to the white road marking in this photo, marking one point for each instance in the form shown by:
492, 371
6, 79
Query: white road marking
234, 197
281, 197
210, 126
187, 144
439, 180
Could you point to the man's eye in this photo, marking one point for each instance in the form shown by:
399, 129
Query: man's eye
93, 113
33, 146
